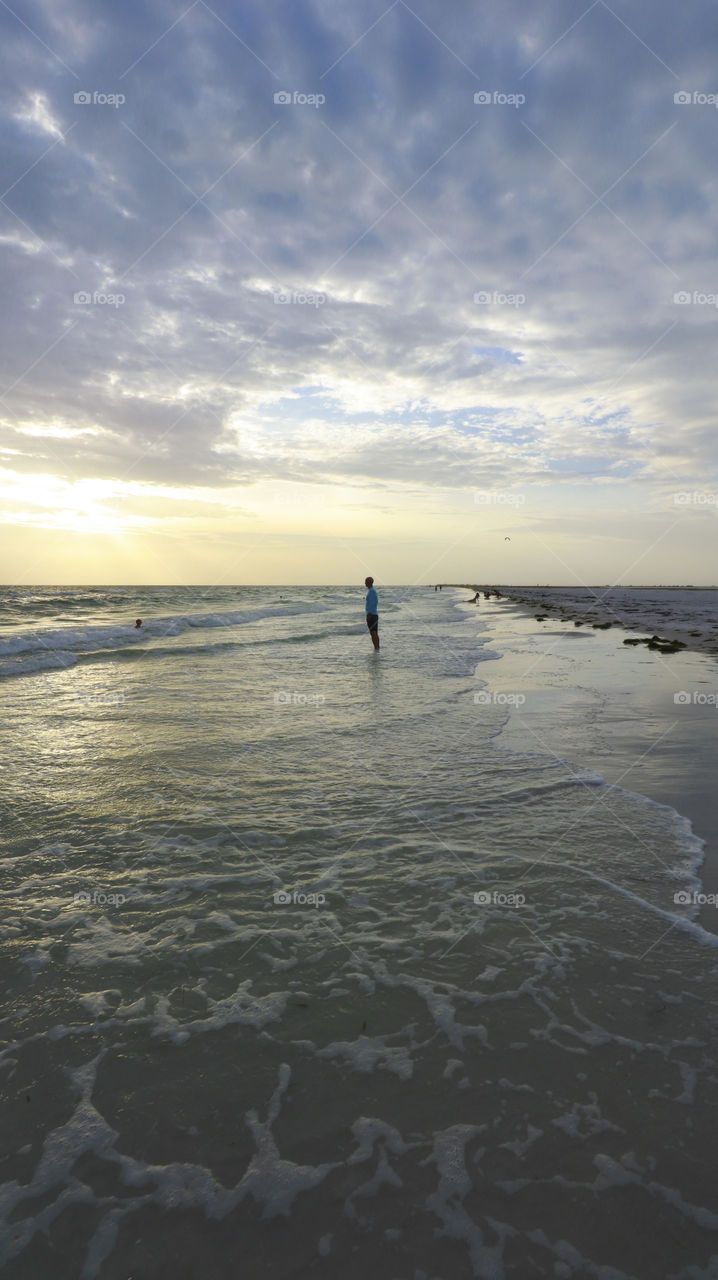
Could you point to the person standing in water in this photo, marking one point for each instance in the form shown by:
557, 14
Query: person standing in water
372, 611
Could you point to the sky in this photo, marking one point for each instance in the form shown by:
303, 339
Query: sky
296, 292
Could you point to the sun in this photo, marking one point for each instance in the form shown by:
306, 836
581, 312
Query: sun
50, 502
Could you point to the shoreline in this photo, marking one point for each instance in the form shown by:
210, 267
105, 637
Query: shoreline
632, 731
604, 616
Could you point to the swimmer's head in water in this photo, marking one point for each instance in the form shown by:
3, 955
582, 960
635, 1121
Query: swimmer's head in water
138, 623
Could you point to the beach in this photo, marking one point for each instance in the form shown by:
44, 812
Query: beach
686, 615
333, 961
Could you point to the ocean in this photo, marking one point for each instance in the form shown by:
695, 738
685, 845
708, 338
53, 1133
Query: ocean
323, 962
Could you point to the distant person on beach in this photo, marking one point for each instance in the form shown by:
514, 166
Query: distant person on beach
372, 611
138, 624
474, 599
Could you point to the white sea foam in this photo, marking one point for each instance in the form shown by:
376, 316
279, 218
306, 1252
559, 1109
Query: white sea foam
50, 648
92, 638
378, 1071
367, 1053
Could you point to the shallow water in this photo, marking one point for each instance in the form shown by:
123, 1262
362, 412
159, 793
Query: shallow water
308, 955
688, 614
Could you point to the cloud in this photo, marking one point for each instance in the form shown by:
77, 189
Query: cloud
199, 199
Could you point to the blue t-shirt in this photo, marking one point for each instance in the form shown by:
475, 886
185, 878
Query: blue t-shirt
372, 601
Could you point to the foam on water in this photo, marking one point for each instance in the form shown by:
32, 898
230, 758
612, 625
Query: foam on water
46, 648
362, 982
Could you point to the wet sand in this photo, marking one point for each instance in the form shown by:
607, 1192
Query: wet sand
641, 612
633, 732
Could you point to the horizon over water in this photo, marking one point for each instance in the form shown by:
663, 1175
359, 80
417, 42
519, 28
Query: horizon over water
313, 953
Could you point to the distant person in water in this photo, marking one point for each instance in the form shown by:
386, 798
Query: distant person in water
138, 624
372, 611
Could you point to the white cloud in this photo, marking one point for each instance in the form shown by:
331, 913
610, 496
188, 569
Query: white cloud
399, 199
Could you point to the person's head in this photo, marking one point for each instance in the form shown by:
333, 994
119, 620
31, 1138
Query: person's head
368, 582
138, 622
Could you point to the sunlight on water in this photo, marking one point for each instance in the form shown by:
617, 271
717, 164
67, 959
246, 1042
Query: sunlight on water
292, 928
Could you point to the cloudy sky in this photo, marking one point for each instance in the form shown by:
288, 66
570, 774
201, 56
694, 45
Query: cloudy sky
298, 291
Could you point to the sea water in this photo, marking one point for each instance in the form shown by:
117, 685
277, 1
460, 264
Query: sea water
309, 973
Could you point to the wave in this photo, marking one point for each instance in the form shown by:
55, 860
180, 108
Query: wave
42, 656
98, 637
50, 661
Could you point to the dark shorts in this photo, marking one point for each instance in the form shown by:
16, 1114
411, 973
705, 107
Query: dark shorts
372, 621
